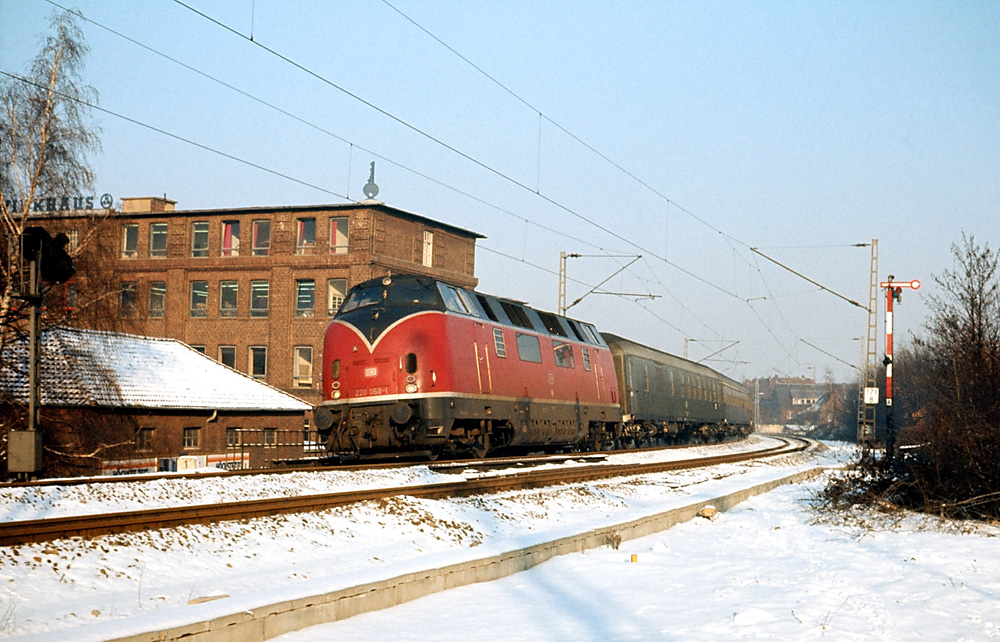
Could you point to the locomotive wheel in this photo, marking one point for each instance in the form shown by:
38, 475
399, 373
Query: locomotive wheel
480, 446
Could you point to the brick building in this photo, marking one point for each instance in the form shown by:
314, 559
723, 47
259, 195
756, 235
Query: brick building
255, 287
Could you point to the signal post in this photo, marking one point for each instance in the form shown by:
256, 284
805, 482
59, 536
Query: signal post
893, 292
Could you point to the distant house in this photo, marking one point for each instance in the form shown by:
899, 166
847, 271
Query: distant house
115, 403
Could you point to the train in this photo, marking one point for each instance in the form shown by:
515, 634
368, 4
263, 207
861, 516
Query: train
417, 367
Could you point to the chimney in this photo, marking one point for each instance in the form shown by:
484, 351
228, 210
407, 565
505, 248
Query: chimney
149, 204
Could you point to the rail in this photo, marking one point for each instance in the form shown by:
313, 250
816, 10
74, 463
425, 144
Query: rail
48, 529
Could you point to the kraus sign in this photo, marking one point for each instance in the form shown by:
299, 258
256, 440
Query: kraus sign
62, 203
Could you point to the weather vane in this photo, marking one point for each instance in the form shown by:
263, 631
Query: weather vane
371, 189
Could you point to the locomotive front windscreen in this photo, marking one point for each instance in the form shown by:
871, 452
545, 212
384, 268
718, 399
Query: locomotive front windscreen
410, 293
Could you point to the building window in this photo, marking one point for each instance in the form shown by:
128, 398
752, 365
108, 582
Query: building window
157, 240
261, 238
74, 240
305, 237
126, 299
230, 238
336, 290
304, 294
258, 362
199, 239
338, 234
192, 437
233, 437
258, 298
228, 295
428, 259
72, 292
270, 436
130, 241
157, 299
302, 366
198, 348
144, 439
227, 356
199, 298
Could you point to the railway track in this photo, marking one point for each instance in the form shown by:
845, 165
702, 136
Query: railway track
41, 530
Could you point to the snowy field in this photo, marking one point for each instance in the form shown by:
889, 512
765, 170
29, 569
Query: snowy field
763, 570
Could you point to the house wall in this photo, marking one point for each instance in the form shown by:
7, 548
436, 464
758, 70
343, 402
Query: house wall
381, 240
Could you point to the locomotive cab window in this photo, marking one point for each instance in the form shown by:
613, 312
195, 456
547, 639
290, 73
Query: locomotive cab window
564, 354
456, 300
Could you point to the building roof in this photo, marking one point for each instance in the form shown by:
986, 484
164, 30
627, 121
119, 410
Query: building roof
109, 369
305, 209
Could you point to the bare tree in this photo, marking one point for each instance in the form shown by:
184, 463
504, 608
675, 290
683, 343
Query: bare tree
952, 417
45, 136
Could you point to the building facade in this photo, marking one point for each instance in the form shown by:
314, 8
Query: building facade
256, 287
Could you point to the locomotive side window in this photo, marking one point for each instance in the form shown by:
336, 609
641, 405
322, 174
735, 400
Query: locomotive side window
586, 359
528, 348
592, 333
564, 354
498, 343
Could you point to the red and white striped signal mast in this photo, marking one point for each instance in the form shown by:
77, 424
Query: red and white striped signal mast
893, 292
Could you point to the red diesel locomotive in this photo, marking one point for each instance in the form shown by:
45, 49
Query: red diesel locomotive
414, 366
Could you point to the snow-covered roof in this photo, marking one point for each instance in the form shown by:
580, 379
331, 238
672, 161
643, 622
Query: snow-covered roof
110, 369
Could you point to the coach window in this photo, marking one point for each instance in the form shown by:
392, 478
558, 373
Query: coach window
157, 299
230, 238
192, 438
258, 362
157, 240
528, 348
199, 239
305, 290
227, 356
130, 241
338, 234
126, 303
228, 297
302, 366
199, 298
305, 236
259, 291
336, 290
261, 238
586, 359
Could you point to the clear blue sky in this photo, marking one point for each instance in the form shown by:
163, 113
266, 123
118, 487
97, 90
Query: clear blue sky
780, 125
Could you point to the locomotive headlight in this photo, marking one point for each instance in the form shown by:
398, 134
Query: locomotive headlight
411, 387
336, 394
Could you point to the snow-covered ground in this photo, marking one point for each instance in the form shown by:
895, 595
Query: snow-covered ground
762, 570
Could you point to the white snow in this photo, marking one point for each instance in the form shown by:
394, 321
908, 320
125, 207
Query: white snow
768, 569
